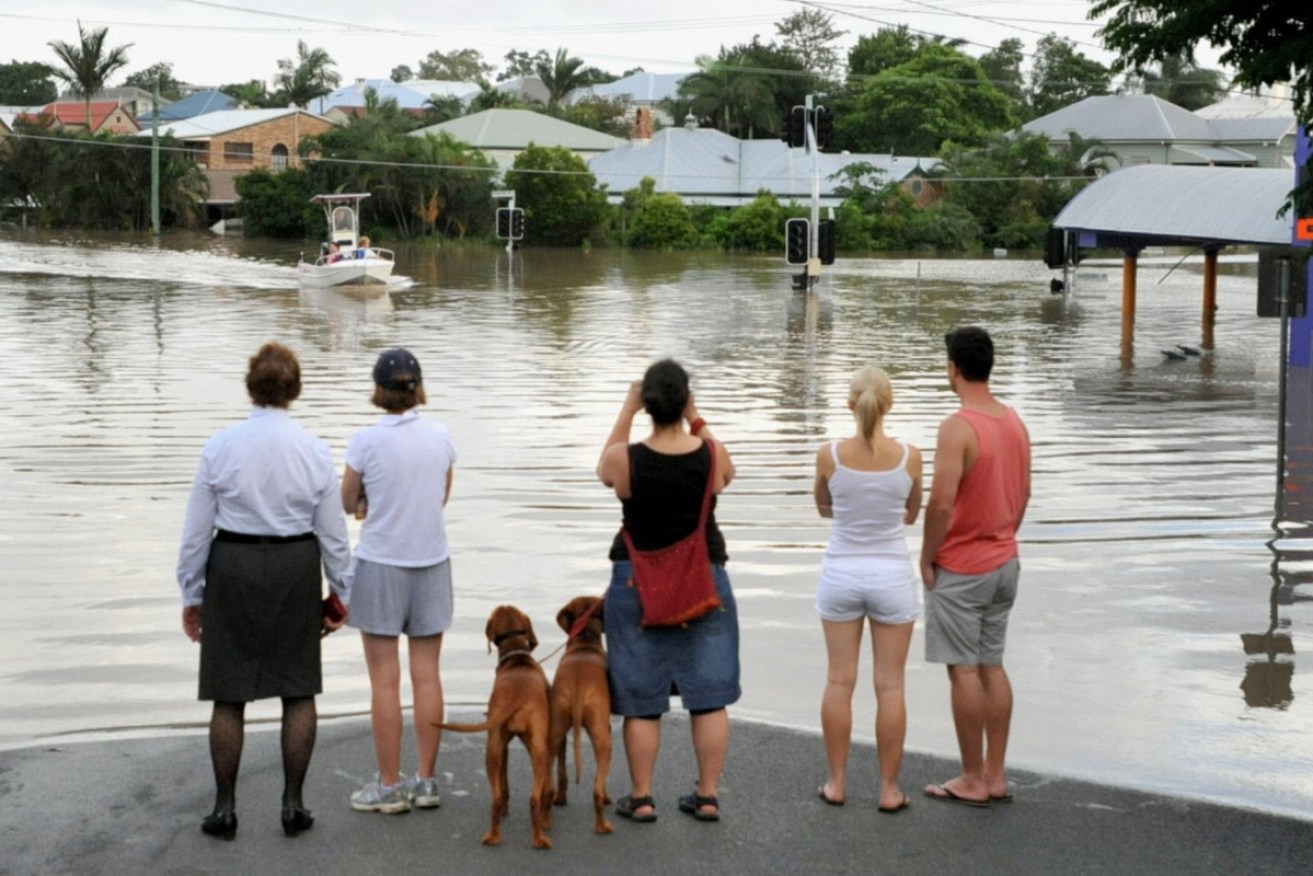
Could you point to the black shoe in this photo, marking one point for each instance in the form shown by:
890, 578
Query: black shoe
296, 819
221, 824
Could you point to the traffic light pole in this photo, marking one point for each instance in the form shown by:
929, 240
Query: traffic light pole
813, 251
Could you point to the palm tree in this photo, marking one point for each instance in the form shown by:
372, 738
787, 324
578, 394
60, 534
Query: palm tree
309, 76
560, 76
738, 100
1180, 80
88, 65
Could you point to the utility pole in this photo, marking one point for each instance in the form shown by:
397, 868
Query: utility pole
155, 158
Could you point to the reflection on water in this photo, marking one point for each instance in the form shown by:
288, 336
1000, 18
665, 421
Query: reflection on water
1148, 549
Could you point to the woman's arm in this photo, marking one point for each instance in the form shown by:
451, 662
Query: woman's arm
725, 470
451, 472
613, 464
352, 489
821, 488
914, 498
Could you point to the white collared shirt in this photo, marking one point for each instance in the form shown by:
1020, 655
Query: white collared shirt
403, 461
266, 475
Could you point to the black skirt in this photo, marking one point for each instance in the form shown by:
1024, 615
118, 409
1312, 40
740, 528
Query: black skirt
261, 621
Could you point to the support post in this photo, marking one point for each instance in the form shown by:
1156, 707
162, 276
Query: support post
1210, 298
1130, 261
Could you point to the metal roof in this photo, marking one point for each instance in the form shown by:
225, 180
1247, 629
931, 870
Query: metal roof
1268, 128
512, 129
196, 104
412, 94
706, 166
1212, 155
637, 87
1123, 117
1164, 203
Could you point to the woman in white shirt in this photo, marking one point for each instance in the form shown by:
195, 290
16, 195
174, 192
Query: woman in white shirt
870, 484
262, 516
398, 474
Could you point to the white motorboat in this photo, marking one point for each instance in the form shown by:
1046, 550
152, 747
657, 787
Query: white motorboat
348, 258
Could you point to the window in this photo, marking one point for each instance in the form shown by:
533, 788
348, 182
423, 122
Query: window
279, 157
239, 151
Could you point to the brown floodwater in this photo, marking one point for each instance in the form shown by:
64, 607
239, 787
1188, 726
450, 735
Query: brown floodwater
1159, 627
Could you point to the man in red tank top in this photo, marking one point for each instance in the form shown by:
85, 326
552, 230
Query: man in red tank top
969, 564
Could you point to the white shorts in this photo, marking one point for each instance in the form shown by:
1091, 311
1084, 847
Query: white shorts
880, 588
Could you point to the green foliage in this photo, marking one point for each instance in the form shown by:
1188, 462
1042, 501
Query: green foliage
462, 65
757, 227
887, 48
562, 204
560, 76
606, 114
401, 73
914, 107
253, 94
88, 64
662, 222
1181, 81
26, 84
278, 204
808, 33
306, 77
1002, 67
746, 91
77, 180
161, 73
520, 64
1061, 76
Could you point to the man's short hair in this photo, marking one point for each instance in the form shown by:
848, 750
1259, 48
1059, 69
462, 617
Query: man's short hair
972, 351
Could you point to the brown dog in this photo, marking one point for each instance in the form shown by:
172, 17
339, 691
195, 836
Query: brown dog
581, 698
517, 707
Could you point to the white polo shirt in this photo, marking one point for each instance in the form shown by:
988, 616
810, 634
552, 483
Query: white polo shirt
403, 460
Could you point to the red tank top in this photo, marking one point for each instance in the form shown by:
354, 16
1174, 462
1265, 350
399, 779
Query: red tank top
991, 497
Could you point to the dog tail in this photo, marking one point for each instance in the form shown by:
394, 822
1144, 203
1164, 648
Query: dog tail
577, 723
492, 721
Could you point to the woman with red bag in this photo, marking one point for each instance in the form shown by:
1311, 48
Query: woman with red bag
662, 483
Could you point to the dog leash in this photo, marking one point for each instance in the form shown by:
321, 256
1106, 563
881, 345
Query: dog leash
575, 629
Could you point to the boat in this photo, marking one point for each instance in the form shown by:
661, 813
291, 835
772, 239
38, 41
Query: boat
347, 258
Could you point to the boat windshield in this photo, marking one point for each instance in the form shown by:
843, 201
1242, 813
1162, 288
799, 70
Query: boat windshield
344, 219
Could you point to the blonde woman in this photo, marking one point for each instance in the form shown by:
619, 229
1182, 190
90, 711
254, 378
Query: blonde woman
870, 485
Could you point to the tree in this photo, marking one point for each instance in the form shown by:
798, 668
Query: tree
913, 108
463, 65
747, 90
757, 226
889, 47
522, 64
610, 115
1264, 41
1061, 76
1002, 67
560, 76
26, 84
562, 204
442, 109
161, 73
253, 94
493, 98
1183, 82
88, 65
310, 75
661, 221
402, 73
808, 33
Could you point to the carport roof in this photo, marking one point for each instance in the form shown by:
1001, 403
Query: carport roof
1194, 206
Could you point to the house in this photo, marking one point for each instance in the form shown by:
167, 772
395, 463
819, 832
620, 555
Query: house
706, 166
411, 96
137, 101
192, 105
107, 116
638, 91
502, 134
230, 143
1262, 125
1144, 129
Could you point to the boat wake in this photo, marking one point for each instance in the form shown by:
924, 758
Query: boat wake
143, 262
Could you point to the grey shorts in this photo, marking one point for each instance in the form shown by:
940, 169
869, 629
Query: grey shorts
966, 616
391, 600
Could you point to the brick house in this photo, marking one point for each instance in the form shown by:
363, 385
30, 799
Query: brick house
230, 143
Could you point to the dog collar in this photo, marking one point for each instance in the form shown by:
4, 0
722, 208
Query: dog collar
509, 634
509, 654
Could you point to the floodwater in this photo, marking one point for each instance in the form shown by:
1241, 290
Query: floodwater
1159, 627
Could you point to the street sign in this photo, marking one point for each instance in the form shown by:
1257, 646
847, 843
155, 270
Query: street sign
503, 193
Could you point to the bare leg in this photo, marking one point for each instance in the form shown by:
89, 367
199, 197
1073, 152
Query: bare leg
385, 703
227, 733
642, 742
890, 642
710, 745
300, 723
426, 682
843, 645
998, 721
969, 710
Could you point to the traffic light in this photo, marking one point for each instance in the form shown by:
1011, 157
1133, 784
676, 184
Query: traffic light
824, 127
503, 223
517, 223
796, 241
796, 124
825, 241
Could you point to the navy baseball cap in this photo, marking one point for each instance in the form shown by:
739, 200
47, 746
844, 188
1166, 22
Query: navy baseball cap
392, 363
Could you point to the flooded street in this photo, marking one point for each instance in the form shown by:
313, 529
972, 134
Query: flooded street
1157, 636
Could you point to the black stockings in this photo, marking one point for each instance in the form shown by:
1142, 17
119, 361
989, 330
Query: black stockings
299, 723
226, 737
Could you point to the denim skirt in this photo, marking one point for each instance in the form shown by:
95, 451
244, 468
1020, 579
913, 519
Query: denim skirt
698, 663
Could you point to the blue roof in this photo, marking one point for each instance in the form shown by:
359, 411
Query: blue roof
197, 104
413, 94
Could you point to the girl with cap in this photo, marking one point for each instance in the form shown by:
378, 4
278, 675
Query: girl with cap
398, 474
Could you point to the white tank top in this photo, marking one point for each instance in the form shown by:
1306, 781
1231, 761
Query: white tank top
869, 507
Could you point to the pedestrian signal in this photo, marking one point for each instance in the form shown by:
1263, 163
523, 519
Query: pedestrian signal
797, 242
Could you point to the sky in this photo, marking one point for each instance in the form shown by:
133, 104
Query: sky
215, 42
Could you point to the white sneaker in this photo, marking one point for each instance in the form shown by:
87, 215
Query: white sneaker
377, 797
423, 792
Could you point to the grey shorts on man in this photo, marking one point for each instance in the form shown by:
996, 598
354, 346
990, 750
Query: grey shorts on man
966, 616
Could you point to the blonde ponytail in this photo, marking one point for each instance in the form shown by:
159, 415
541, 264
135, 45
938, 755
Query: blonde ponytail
871, 396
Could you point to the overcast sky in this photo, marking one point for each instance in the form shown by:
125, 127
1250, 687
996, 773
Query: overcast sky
214, 42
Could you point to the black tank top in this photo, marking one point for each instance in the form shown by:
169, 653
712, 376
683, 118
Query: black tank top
665, 499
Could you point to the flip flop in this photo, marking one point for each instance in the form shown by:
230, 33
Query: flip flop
828, 800
625, 806
1001, 798
944, 793
894, 810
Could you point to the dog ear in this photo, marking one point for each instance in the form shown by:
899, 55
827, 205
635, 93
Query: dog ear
528, 628
487, 631
565, 618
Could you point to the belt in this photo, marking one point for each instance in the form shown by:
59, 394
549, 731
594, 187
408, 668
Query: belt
243, 538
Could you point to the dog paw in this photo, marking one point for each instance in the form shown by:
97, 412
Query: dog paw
542, 842
492, 839
605, 827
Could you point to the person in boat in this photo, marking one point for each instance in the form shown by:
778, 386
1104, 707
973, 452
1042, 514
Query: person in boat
363, 251
332, 252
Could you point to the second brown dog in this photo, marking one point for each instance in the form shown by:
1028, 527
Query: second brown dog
517, 708
581, 698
